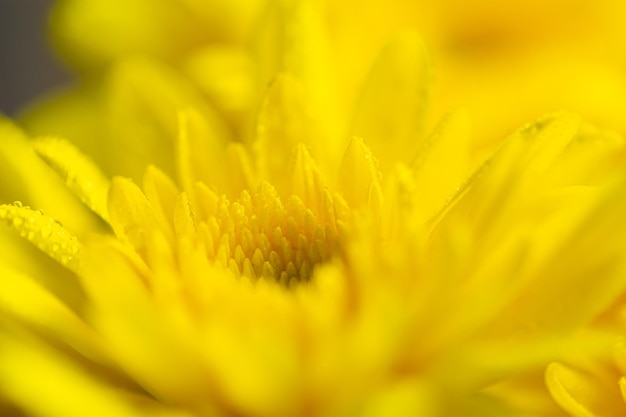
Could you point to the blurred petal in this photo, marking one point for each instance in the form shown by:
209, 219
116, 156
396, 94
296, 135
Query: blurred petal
393, 107
582, 394
81, 175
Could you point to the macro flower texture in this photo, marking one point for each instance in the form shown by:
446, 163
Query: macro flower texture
319, 208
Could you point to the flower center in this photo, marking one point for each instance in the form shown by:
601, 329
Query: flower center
257, 236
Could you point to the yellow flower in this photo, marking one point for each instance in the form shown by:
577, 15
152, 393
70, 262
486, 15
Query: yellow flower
290, 249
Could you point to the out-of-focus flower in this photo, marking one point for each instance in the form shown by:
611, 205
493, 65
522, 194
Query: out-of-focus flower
507, 62
303, 247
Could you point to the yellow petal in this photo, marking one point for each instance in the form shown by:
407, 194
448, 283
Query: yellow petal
205, 202
282, 124
529, 273
184, 224
76, 115
144, 99
226, 75
132, 217
19, 254
92, 33
401, 204
162, 193
622, 387
27, 178
139, 329
81, 175
560, 295
239, 170
26, 301
292, 39
359, 178
306, 181
393, 107
582, 394
30, 369
226, 18
489, 192
128, 274
45, 233
442, 163
527, 154
200, 149
592, 157
402, 399
487, 363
